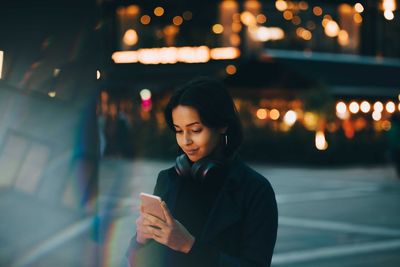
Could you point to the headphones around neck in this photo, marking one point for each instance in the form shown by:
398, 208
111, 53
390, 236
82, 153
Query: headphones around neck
199, 169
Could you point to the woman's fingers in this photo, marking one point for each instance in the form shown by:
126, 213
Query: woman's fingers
167, 213
151, 220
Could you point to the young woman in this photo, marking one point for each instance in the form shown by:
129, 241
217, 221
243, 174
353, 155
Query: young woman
219, 211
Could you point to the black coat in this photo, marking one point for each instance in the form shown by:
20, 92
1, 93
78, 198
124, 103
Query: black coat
240, 230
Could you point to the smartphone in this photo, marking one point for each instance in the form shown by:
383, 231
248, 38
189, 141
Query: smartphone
152, 205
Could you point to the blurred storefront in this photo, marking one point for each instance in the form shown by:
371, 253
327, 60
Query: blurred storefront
314, 81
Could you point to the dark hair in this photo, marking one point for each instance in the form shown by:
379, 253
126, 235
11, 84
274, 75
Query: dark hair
215, 107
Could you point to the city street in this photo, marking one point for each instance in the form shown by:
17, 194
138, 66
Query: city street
327, 217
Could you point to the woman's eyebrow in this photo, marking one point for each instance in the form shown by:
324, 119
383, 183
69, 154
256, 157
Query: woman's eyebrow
187, 125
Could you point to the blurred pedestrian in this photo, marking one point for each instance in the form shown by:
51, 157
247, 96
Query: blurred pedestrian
218, 210
394, 142
117, 133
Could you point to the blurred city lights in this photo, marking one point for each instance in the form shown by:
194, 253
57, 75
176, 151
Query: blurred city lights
290, 117
236, 26
365, 107
130, 37
303, 5
261, 18
343, 38
310, 121
171, 55
296, 20
378, 106
288, 15
159, 11
341, 107
230, 69
390, 107
386, 125
177, 20
217, 28
1, 63
187, 15
388, 14
274, 114
145, 94
320, 141
234, 39
332, 28
125, 57
303, 33
193, 54
281, 5
145, 19
357, 18
354, 107
56, 71
98, 74
389, 5
132, 10
224, 53
52, 94
341, 111
317, 11
398, 107
376, 115
262, 113
359, 7
248, 19
264, 34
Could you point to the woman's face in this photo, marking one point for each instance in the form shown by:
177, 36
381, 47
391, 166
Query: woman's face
193, 137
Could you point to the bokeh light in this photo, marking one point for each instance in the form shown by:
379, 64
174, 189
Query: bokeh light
365, 107
388, 14
145, 94
341, 107
332, 28
217, 28
317, 11
354, 107
230, 69
145, 19
262, 113
320, 141
274, 114
130, 37
281, 5
159, 11
261, 18
390, 107
376, 115
177, 20
358, 8
378, 106
290, 117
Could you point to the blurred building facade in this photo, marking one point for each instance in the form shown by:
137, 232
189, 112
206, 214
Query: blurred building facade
290, 65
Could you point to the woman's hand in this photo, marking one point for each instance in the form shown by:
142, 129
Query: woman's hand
169, 232
142, 232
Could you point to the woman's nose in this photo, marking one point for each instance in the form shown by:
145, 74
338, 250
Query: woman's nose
187, 139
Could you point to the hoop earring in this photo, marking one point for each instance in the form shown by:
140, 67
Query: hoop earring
226, 140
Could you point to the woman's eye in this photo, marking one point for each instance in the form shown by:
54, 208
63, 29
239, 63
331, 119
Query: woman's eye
178, 132
196, 130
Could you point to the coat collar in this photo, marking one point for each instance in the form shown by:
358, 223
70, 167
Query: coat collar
225, 211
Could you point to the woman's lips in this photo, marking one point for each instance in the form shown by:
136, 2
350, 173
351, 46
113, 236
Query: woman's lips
191, 152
